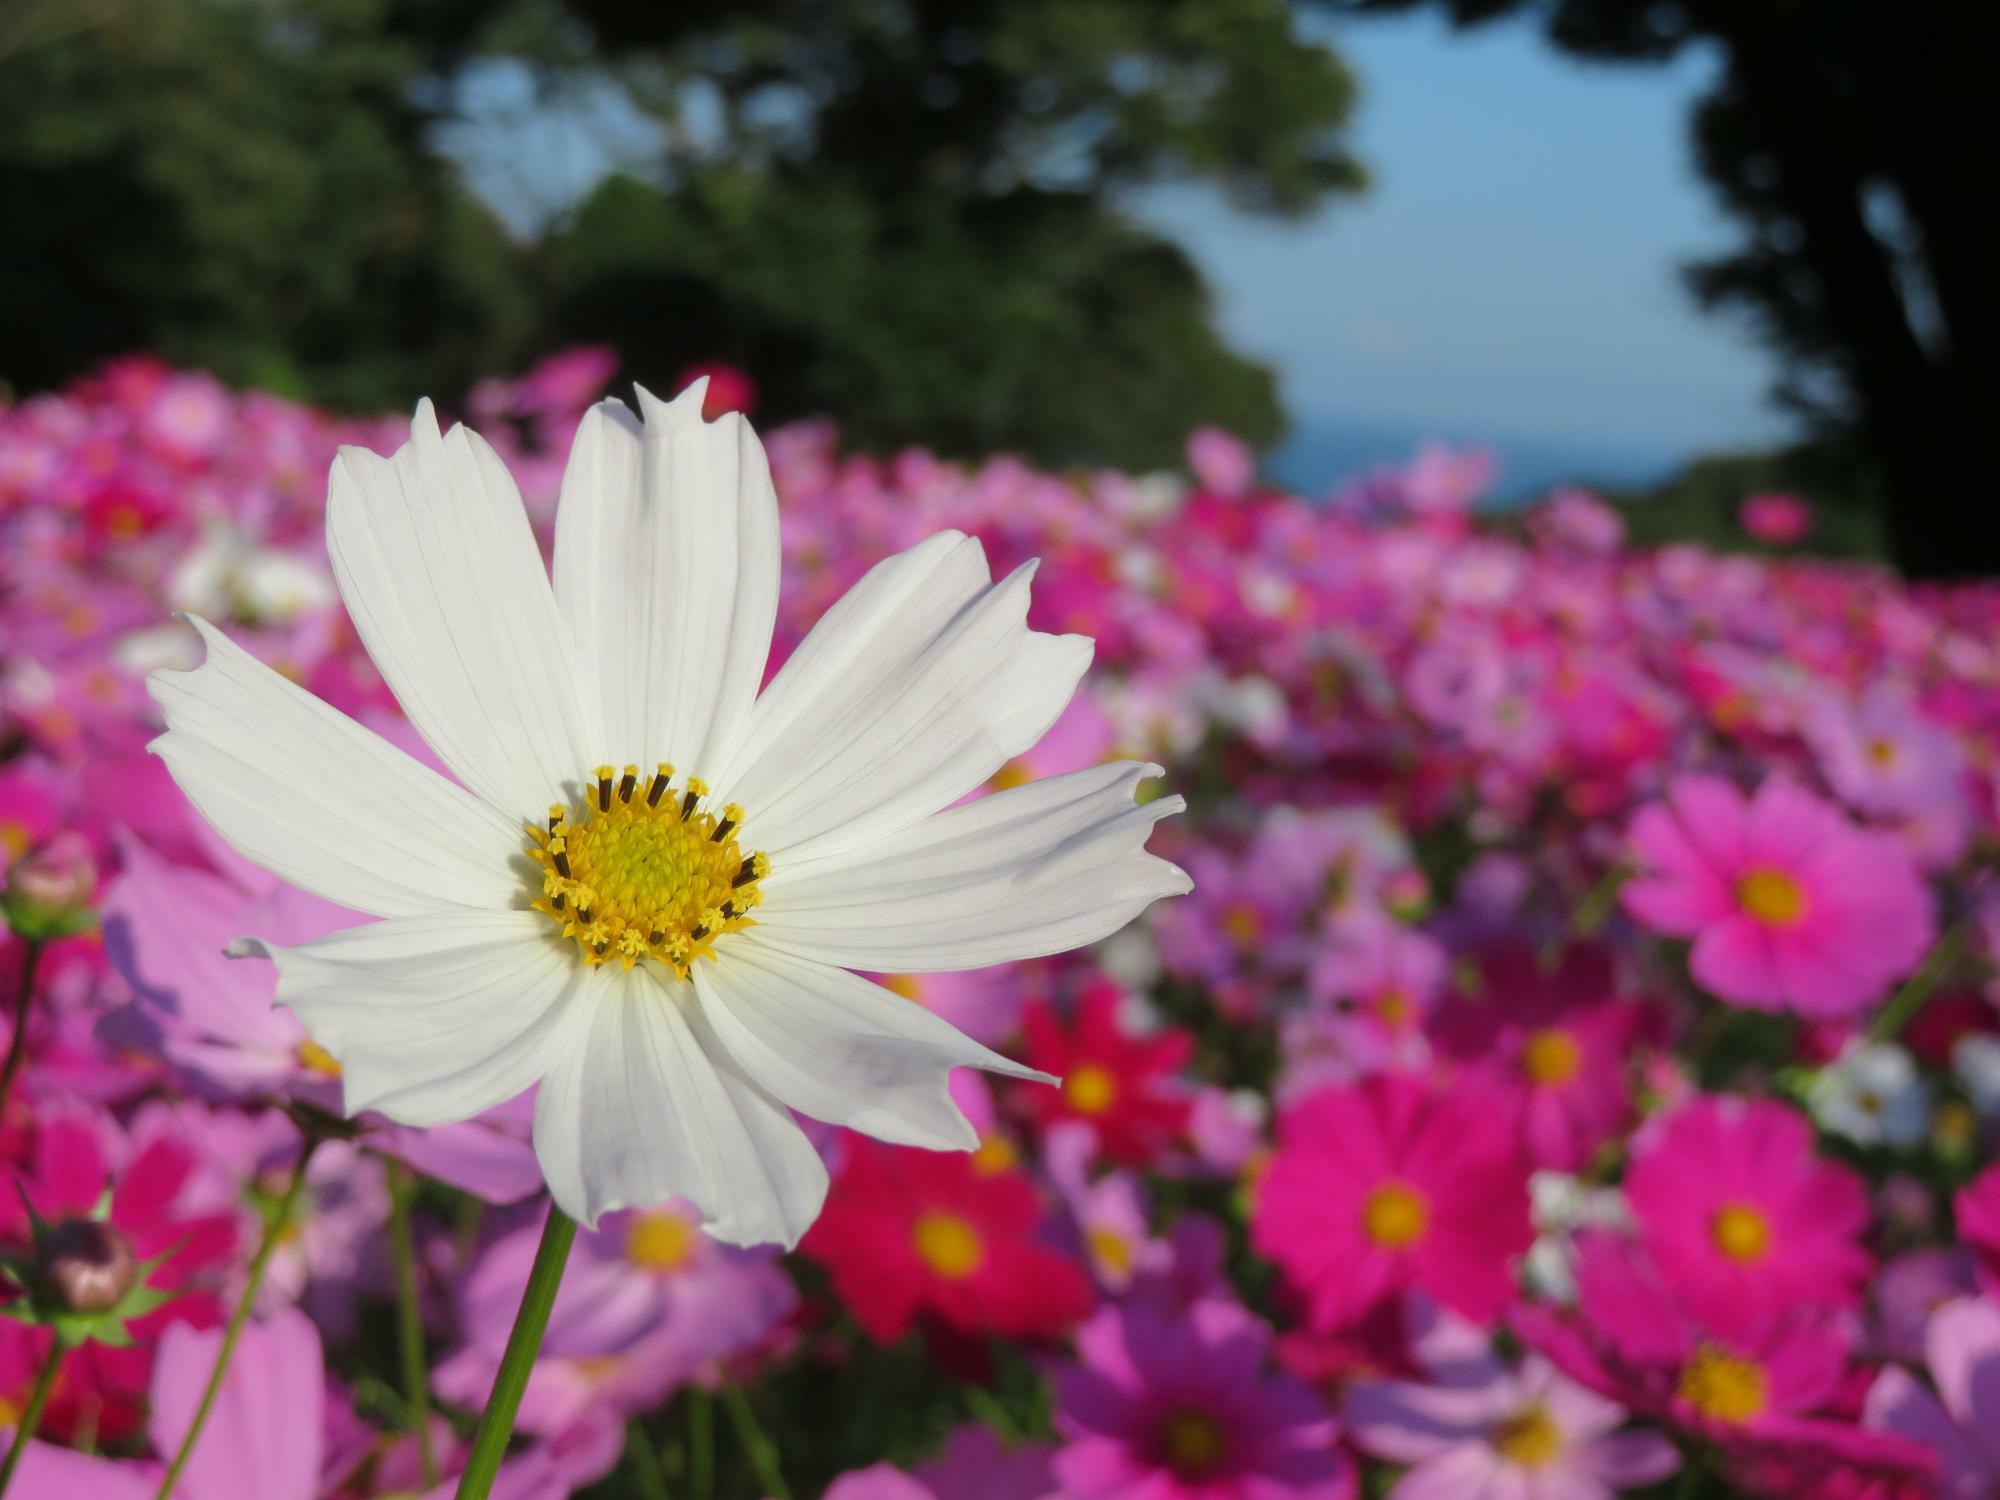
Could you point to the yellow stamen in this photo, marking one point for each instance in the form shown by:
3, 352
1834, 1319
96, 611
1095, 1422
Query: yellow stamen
1191, 1442
1720, 1386
1395, 1216
1091, 1090
661, 1242
948, 1245
644, 874
1551, 1057
1741, 1232
316, 1059
1528, 1438
1771, 897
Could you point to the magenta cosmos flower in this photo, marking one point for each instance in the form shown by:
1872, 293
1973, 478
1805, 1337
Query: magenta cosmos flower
1739, 1214
1170, 1406
1386, 1185
1789, 906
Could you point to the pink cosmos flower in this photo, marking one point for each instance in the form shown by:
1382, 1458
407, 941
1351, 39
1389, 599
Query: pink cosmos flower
1739, 1214
1387, 1184
1762, 1394
1558, 1042
1479, 1427
1789, 905
1961, 1422
1165, 1407
1976, 1209
1376, 984
975, 1465
1884, 756
1776, 520
648, 1304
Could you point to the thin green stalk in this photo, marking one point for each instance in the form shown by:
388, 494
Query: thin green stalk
1904, 1005
538, 1299
410, 1317
701, 1444
32, 1417
644, 1459
759, 1449
24, 999
274, 1229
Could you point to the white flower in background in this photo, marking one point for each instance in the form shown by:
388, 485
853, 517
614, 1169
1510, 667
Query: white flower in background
1975, 1059
1873, 1095
225, 573
1559, 1205
646, 894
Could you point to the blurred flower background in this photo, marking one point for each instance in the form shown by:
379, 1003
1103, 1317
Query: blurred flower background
1576, 1068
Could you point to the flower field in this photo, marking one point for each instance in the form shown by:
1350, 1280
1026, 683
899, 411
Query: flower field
1572, 1072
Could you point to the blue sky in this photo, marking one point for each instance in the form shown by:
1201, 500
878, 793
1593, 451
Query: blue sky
1509, 278
1511, 273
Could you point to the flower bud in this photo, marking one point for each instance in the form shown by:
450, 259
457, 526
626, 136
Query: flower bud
88, 1265
49, 888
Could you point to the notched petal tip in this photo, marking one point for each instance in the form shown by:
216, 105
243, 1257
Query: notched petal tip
678, 415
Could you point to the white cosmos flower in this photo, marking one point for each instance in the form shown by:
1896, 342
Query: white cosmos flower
664, 951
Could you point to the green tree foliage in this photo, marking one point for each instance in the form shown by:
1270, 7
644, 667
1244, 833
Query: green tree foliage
242, 186
1854, 142
908, 213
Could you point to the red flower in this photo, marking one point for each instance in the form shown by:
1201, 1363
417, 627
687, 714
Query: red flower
908, 1231
1122, 1086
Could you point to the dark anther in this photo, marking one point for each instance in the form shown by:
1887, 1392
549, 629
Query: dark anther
658, 937
561, 861
687, 805
604, 794
659, 788
729, 908
583, 914
556, 901
625, 785
555, 822
721, 831
745, 875
700, 932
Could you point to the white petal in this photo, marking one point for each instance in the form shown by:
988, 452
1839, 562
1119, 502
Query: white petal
1038, 869
434, 1019
301, 789
667, 572
914, 688
646, 1105
836, 1047
439, 568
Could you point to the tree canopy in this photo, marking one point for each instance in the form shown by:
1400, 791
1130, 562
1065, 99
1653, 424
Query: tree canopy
912, 214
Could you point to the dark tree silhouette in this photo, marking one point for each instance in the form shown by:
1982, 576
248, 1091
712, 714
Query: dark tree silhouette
1857, 142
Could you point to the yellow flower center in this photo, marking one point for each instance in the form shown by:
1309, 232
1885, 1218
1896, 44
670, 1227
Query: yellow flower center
1771, 897
1243, 925
1091, 1090
1723, 1387
1882, 752
909, 986
1551, 1057
1395, 1216
994, 1155
661, 1242
1394, 1008
948, 1245
646, 872
1191, 1442
316, 1059
1112, 1249
1528, 1438
1741, 1232
10, 1413
1016, 772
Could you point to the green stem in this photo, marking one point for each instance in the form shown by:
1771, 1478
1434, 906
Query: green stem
645, 1462
701, 1444
761, 1451
45, 1382
538, 1299
410, 1317
1904, 1005
24, 999
274, 1229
